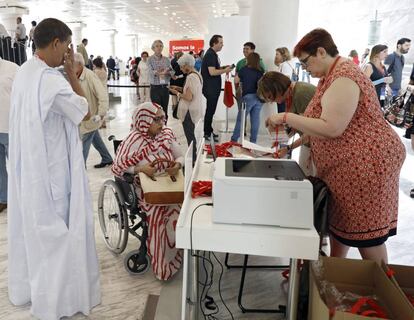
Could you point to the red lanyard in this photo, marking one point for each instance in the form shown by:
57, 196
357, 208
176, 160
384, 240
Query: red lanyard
332, 67
289, 98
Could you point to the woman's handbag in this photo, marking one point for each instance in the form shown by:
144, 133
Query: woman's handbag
409, 112
228, 93
394, 113
163, 189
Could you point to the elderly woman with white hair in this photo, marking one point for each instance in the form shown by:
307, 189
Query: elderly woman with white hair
190, 106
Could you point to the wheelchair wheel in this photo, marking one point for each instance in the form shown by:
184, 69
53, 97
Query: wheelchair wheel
113, 217
134, 266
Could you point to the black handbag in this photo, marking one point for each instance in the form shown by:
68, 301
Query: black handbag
409, 112
394, 112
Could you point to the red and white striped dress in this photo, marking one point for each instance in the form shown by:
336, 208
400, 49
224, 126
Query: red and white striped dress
138, 148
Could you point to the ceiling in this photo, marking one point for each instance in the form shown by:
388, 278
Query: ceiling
167, 17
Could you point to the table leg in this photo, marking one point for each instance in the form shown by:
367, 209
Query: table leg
292, 307
193, 287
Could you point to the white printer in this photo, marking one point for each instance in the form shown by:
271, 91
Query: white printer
263, 192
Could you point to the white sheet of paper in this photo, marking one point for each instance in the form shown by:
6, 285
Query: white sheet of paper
254, 146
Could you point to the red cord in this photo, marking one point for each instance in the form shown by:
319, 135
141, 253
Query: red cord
201, 189
222, 149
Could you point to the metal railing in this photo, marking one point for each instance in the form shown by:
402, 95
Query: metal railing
14, 51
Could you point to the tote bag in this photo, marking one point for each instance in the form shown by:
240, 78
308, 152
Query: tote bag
163, 189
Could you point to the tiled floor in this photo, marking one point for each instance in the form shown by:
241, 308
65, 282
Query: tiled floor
124, 296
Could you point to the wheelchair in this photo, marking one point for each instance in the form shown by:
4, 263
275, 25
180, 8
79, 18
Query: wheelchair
120, 215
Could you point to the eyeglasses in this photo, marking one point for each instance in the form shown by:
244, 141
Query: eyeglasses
159, 119
304, 62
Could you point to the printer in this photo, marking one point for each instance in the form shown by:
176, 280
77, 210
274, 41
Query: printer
263, 192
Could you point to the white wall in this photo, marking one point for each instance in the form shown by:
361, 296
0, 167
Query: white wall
348, 21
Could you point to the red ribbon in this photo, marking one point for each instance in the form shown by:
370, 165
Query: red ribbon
390, 272
410, 298
222, 149
201, 189
372, 309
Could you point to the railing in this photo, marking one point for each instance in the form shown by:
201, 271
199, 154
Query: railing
14, 51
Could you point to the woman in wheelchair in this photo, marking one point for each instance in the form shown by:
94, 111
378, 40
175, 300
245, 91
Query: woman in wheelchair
150, 140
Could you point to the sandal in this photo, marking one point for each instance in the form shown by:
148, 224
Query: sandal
412, 193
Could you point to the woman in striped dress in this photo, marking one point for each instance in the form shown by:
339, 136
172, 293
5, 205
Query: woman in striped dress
150, 140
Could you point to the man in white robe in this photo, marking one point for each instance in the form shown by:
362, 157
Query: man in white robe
51, 244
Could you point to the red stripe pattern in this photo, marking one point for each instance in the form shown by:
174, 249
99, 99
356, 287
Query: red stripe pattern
139, 148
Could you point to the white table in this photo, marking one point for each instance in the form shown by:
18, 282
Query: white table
231, 238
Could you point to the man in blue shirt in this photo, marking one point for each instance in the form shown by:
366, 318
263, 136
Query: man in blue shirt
395, 62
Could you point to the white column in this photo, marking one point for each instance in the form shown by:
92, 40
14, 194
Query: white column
8, 16
134, 45
76, 27
273, 24
112, 45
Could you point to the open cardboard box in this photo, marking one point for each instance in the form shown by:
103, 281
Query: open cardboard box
362, 277
403, 278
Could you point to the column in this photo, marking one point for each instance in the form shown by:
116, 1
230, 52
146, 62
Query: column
273, 24
9, 49
134, 45
111, 38
76, 27
8, 16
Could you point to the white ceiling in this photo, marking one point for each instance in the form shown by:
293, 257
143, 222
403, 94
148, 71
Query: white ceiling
167, 17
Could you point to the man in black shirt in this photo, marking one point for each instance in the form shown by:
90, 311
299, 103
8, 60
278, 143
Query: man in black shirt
211, 73
110, 64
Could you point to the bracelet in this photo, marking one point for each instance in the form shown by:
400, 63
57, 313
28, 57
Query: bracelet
178, 95
284, 119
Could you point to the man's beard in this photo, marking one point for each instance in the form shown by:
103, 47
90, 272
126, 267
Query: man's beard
404, 51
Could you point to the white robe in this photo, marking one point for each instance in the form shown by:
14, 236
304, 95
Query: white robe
52, 259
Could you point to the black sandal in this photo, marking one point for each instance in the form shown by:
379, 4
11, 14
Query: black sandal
412, 193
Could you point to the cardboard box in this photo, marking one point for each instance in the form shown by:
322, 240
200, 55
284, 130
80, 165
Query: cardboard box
403, 278
362, 277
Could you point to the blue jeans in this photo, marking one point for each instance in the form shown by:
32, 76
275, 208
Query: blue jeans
395, 92
253, 108
4, 145
95, 139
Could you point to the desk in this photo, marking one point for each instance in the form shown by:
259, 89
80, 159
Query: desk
241, 239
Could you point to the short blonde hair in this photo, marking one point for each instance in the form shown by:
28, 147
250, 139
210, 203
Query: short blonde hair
284, 52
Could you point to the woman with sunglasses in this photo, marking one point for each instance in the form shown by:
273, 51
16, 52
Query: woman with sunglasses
150, 140
356, 153
277, 87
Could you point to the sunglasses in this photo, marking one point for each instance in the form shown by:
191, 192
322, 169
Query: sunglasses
304, 62
159, 119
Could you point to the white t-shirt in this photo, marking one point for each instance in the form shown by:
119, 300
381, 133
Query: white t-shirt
7, 72
21, 31
195, 106
143, 69
287, 68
